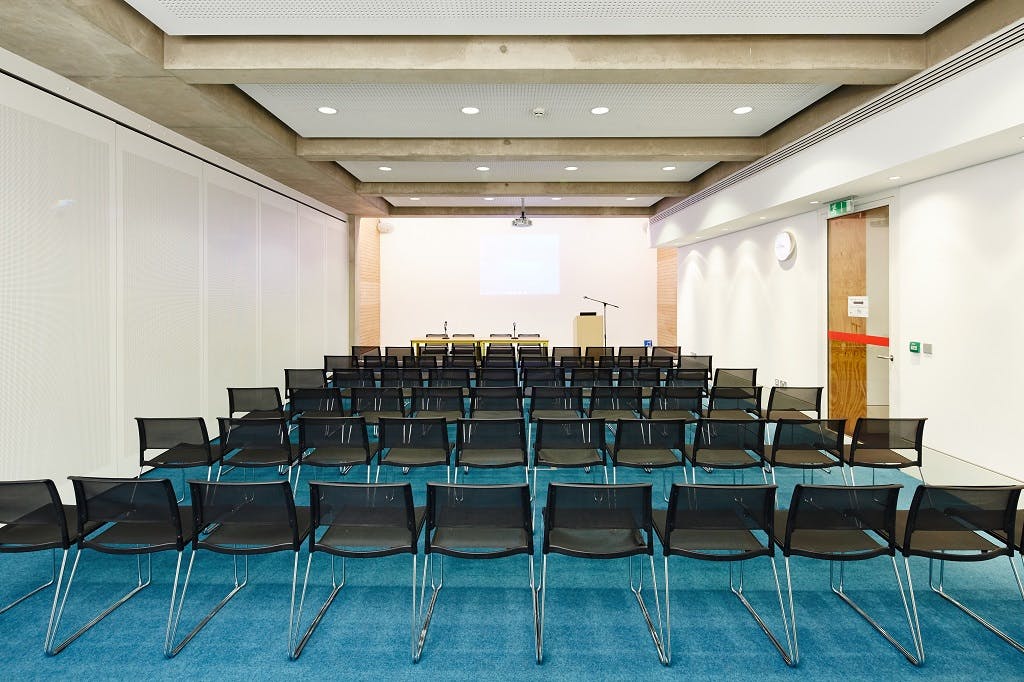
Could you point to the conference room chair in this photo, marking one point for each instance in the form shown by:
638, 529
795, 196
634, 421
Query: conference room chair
375, 403
877, 443
807, 444
125, 517
568, 362
687, 377
588, 377
731, 444
601, 522
697, 362
612, 403
368, 356
963, 524
499, 359
499, 347
660, 361
476, 522
735, 376
676, 402
721, 523
463, 336
491, 444
496, 402
554, 402
316, 402
794, 402
33, 519
449, 376
643, 376
404, 378
433, 348
631, 356
375, 361
607, 361
333, 362
256, 443
435, 336
359, 521
734, 402
427, 361
399, 356
559, 352
303, 378
256, 403
175, 443
242, 520
465, 360
438, 401
535, 361
334, 442
411, 442
497, 376
542, 376
665, 352
843, 524
648, 444
346, 379
577, 443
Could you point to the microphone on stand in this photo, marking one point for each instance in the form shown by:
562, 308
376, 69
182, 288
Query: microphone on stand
446, 327
514, 330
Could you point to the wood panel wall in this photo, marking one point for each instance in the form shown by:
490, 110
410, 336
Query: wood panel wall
847, 276
367, 283
667, 294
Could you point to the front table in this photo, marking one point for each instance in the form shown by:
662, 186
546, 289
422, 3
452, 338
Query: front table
480, 342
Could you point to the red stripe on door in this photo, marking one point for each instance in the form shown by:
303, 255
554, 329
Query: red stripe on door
858, 338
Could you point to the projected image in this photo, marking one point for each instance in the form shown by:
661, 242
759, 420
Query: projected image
519, 265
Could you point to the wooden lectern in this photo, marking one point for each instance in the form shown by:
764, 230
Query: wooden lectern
588, 331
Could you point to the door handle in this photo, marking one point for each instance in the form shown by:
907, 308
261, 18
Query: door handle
885, 357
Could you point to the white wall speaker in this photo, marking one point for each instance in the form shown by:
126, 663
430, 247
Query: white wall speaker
384, 227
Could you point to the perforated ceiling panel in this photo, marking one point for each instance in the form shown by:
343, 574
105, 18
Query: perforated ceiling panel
544, 17
526, 171
532, 203
636, 110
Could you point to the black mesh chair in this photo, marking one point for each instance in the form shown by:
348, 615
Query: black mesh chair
648, 444
601, 522
448, 376
373, 404
807, 444
722, 523
399, 356
256, 443
466, 360
570, 444
631, 356
357, 377
697, 362
961, 524
885, 444
596, 352
33, 519
241, 520
491, 444
405, 378
411, 442
315, 402
542, 376
735, 376
496, 402
295, 379
335, 362
554, 402
693, 378
475, 522
328, 442
499, 359
588, 377
529, 360
843, 524
612, 403
355, 521
125, 516
427, 359
643, 376
794, 402
256, 403
498, 376
432, 401
734, 402
676, 402
175, 443
734, 444
559, 352
365, 354
663, 352
569, 362
665, 362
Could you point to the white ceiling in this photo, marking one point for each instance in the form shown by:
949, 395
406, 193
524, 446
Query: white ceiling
524, 171
544, 17
532, 203
434, 110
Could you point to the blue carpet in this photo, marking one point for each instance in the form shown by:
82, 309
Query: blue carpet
482, 626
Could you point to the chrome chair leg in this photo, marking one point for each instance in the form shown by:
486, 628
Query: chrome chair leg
543, 593
536, 622
335, 589
175, 649
656, 634
40, 588
738, 591
435, 586
792, 613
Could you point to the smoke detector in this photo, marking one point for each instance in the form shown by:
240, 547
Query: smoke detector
539, 112
522, 220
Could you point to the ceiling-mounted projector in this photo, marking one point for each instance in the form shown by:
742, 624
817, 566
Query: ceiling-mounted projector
522, 220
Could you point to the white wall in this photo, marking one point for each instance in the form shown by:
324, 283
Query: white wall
137, 280
738, 304
430, 272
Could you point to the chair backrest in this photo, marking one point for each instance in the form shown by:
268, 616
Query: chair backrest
238, 517
589, 376
631, 356
898, 434
165, 433
987, 510
735, 376
663, 361
377, 399
543, 376
361, 351
498, 376
413, 432
730, 434
640, 376
615, 398
435, 336
356, 376
437, 399
490, 434
333, 362
369, 506
556, 398
795, 399
254, 434
482, 508
571, 361
491, 398
687, 377
466, 360
401, 377
304, 378
597, 351
570, 434
128, 501
400, 353
316, 400
675, 398
427, 360
463, 336
333, 432
34, 504
501, 336
649, 434
524, 335
665, 351
498, 359
722, 509
746, 398
266, 398
701, 362
809, 434
840, 509
527, 360
596, 507
559, 352
448, 376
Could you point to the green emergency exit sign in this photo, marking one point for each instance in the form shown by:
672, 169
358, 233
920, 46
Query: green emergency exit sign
841, 207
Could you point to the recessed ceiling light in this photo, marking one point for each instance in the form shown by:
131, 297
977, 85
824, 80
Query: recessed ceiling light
414, 198
483, 168
470, 111
630, 198
488, 198
894, 177
384, 168
815, 202
599, 111
327, 110
762, 217
739, 111
556, 198
668, 168
572, 168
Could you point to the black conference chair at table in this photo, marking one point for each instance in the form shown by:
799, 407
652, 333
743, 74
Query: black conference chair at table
359, 521
601, 521
722, 523
475, 522
125, 516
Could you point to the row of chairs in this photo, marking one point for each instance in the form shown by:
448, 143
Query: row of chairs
733, 524
457, 355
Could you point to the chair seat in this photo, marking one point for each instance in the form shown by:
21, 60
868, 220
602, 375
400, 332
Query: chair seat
492, 457
825, 541
497, 414
601, 542
567, 457
646, 457
151, 537
811, 459
327, 456
613, 415
182, 455
554, 414
792, 415
726, 459
876, 458
946, 540
258, 457
482, 540
24, 536
710, 540
415, 457
267, 537
339, 539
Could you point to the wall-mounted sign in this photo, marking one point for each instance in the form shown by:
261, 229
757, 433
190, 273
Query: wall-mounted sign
857, 306
841, 207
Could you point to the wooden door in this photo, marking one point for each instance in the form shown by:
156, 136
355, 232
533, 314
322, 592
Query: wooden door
847, 276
